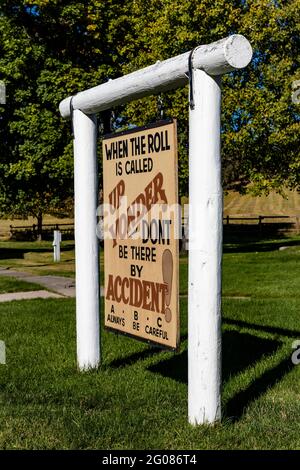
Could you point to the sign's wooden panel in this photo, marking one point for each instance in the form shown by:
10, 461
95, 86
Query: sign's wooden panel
140, 197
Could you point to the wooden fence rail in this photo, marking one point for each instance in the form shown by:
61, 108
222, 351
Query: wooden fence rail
31, 231
260, 218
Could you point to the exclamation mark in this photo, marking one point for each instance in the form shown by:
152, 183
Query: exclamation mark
167, 272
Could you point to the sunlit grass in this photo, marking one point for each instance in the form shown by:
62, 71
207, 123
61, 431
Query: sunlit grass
137, 399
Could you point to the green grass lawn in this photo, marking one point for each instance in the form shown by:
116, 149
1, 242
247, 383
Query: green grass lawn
37, 258
138, 397
10, 284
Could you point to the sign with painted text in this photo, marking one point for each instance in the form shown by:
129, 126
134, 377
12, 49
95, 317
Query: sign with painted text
141, 231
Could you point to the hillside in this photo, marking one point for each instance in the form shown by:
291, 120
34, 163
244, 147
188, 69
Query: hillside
273, 204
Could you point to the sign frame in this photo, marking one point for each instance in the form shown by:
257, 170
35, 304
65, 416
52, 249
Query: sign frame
175, 240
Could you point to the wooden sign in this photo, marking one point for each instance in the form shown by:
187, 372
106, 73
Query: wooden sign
140, 199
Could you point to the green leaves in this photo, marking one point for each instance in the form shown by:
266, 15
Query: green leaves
50, 49
260, 124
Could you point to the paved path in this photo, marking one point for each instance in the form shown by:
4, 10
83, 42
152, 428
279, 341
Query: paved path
62, 286
59, 285
36, 294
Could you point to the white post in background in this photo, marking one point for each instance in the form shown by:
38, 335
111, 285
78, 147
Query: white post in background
205, 252
56, 245
86, 242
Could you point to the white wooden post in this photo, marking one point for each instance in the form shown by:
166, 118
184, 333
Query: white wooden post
215, 59
56, 245
86, 242
205, 252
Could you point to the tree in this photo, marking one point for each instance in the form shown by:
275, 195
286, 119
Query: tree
48, 50
260, 123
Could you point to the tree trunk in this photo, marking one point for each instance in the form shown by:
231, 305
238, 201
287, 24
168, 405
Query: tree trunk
106, 120
39, 226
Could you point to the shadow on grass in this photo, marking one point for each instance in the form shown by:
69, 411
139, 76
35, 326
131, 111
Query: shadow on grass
134, 357
249, 241
140, 355
267, 329
18, 253
235, 407
239, 351
12, 253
